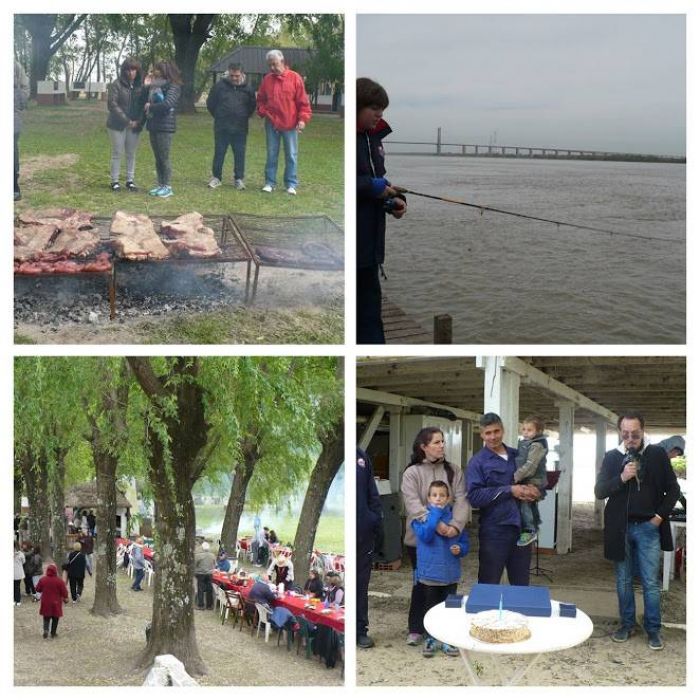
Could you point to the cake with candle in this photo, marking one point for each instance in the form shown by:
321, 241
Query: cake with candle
499, 626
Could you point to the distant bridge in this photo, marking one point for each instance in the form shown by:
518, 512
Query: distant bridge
441, 148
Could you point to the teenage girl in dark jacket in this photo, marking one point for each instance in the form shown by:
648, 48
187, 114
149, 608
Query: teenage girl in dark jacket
164, 88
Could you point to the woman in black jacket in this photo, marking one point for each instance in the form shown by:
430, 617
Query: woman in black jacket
125, 101
164, 87
76, 565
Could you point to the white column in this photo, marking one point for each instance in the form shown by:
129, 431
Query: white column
467, 452
600, 435
395, 449
565, 486
501, 395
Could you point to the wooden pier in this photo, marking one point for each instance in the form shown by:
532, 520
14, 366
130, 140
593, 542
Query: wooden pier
399, 328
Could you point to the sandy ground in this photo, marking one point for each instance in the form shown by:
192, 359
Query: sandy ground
582, 577
233, 657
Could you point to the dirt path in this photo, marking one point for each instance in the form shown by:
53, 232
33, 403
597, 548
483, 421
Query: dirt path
582, 577
95, 651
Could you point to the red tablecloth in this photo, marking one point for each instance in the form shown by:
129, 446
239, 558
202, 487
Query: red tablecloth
148, 552
295, 604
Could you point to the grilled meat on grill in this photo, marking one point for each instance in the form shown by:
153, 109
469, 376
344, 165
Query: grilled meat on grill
187, 236
61, 218
135, 238
74, 242
30, 241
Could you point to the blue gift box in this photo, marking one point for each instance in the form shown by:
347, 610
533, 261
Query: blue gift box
567, 610
454, 601
527, 600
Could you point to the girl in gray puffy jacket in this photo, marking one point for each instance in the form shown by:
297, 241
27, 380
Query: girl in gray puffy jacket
164, 88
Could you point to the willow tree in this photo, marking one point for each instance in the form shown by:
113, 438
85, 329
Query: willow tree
276, 409
330, 432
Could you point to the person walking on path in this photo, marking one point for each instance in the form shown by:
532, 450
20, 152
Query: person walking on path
284, 105
204, 564
138, 563
77, 565
642, 489
19, 573
21, 101
231, 102
33, 569
53, 595
126, 98
164, 88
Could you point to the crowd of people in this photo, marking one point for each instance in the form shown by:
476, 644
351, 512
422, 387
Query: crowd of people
141, 99
505, 483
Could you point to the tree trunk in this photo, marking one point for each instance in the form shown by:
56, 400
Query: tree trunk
19, 485
236, 500
106, 602
58, 505
189, 34
172, 625
37, 483
322, 476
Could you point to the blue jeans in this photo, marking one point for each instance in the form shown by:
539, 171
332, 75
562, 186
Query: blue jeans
290, 139
498, 550
222, 140
642, 557
138, 577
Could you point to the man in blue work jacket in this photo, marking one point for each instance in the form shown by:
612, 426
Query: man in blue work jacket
491, 489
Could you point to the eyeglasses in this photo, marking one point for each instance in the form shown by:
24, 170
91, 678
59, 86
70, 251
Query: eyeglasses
634, 435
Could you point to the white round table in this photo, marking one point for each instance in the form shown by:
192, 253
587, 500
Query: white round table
548, 634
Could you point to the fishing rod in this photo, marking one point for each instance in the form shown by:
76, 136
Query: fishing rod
483, 208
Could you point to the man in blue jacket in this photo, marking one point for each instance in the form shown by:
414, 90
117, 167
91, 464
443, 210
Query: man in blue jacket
369, 526
375, 198
491, 489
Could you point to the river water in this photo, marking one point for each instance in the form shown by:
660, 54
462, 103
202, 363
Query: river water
508, 280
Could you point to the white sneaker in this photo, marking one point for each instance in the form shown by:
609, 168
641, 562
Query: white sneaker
291, 190
239, 184
267, 188
214, 183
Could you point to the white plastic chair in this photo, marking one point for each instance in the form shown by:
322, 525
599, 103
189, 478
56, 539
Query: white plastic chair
220, 599
263, 619
149, 571
231, 602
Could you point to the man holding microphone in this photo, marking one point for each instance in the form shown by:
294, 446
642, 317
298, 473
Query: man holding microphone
641, 487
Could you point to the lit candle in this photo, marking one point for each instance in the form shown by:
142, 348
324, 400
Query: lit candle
500, 608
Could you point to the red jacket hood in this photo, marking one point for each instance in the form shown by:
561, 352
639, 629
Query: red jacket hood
51, 570
381, 128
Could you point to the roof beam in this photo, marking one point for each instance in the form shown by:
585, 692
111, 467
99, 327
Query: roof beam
384, 398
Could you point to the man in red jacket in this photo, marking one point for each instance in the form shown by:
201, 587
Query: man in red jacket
53, 594
284, 105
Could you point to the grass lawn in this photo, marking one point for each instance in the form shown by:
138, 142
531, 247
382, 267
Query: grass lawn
64, 162
329, 536
65, 154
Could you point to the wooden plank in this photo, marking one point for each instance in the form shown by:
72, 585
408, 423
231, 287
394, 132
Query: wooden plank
399, 328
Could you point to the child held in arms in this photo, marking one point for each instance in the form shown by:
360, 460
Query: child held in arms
438, 566
531, 462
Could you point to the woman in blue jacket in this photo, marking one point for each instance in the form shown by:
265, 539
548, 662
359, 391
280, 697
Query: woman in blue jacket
164, 88
438, 566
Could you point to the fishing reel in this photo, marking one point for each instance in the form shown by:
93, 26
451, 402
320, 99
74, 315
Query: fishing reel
390, 204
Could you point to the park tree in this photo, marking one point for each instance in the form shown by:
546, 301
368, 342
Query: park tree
48, 33
330, 433
190, 32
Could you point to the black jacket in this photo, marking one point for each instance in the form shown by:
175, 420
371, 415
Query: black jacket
77, 563
231, 105
162, 114
660, 489
369, 507
371, 217
125, 103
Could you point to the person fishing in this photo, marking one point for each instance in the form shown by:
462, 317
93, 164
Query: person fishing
375, 199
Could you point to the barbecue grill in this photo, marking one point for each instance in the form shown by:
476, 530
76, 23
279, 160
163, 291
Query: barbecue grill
305, 242
299, 242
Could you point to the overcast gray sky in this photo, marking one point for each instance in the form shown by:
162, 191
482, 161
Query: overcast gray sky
609, 82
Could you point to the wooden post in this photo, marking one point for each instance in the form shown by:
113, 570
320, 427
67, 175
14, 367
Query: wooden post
442, 329
501, 394
600, 433
566, 465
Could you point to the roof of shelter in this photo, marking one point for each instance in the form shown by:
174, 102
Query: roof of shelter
655, 386
85, 496
253, 59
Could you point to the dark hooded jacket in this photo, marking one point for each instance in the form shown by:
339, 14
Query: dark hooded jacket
162, 114
656, 493
125, 102
53, 593
371, 217
231, 105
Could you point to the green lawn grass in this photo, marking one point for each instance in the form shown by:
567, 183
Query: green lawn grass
65, 153
329, 536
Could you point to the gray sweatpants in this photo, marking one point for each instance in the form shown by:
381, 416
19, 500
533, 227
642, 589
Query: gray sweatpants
123, 141
160, 143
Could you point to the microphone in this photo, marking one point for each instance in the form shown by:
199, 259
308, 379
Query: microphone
633, 456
